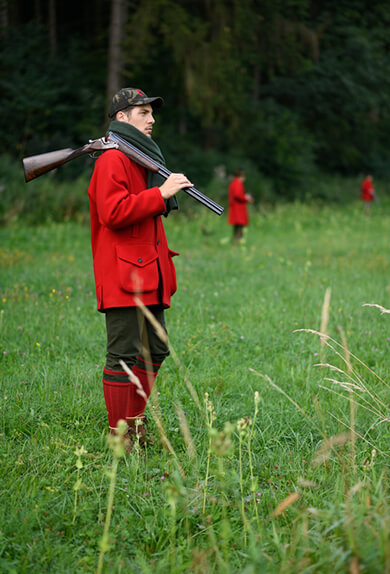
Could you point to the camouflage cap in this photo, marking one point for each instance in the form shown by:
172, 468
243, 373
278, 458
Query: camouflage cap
131, 97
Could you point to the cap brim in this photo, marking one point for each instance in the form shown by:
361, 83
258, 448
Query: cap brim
156, 103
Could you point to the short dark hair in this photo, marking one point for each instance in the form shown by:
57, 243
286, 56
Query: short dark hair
126, 110
238, 172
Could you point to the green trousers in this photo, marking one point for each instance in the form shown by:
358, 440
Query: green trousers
131, 337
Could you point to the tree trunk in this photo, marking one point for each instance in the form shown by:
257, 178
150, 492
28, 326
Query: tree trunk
52, 27
38, 12
3, 19
117, 30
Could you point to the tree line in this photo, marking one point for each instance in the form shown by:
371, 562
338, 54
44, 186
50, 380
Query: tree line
286, 88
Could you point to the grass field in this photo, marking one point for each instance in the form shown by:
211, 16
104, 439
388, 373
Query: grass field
297, 482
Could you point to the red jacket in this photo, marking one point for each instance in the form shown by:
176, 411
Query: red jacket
129, 246
367, 189
237, 212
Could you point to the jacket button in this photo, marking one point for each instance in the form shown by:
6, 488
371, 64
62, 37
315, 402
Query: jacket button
158, 242
140, 260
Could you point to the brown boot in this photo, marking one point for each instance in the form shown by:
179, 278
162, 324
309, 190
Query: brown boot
125, 439
137, 429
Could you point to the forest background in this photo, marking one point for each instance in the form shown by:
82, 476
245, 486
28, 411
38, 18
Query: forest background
295, 92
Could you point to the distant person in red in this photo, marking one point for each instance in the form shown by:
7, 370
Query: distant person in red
367, 192
238, 200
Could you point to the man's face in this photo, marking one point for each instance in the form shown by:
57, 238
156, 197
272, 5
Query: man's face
141, 117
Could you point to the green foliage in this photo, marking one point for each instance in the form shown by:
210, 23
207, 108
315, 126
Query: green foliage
231, 326
47, 198
281, 149
296, 88
343, 104
57, 197
200, 44
47, 101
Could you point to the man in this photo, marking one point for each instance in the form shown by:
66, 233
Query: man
238, 199
131, 257
367, 193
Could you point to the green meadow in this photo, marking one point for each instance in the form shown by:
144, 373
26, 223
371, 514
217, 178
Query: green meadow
270, 448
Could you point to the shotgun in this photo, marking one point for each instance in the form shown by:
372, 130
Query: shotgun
36, 165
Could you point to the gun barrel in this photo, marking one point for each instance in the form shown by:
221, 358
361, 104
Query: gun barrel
36, 165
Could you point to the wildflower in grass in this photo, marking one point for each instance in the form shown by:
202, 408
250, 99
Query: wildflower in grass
210, 417
369, 462
246, 429
221, 442
176, 494
79, 452
209, 409
117, 446
243, 426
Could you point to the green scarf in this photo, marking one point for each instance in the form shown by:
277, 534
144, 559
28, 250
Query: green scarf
148, 146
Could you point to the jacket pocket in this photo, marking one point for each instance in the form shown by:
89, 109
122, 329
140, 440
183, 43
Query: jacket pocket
173, 271
138, 269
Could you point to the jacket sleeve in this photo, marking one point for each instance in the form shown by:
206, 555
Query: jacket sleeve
118, 203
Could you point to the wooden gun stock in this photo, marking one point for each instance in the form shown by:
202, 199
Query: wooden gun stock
36, 165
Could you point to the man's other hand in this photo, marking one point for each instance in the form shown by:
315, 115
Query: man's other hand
174, 183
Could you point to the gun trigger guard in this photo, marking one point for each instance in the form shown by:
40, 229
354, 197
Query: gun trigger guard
111, 144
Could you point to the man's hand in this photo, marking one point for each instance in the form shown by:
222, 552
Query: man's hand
174, 183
